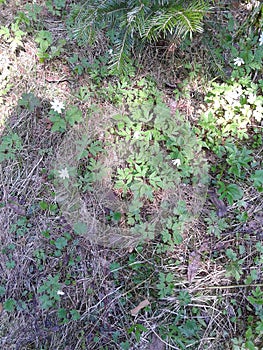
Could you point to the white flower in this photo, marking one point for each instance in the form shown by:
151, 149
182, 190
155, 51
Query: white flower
63, 174
252, 3
137, 134
60, 292
57, 105
261, 39
238, 61
176, 162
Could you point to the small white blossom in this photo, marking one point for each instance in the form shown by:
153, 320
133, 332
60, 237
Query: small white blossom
251, 4
261, 39
137, 134
60, 292
238, 61
57, 105
63, 174
176, 162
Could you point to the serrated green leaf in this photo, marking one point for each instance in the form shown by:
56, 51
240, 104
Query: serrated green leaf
59, 124
9, 305
61, 243
235, 191
257, 178
73, 115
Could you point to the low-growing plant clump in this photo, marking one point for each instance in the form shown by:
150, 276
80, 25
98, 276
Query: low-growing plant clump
131, 175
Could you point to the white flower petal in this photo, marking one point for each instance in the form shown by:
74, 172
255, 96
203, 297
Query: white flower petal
57, 105
261, 39
176, 162
238, 61
137, 134
60, 292
63, 174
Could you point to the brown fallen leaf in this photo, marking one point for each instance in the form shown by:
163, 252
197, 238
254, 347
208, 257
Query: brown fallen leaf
221, 208
137, 309
156, 343
221, 246
1, 307
193, 265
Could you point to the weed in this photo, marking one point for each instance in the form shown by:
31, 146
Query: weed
157, 140
231, 192
10, 145
45, 40
30, 17
139, 171
257, 179
233, 107
56, 7
215, 225
29, 101
60, 123
49, 295
9, 305
13, 36
235, 267
165, 286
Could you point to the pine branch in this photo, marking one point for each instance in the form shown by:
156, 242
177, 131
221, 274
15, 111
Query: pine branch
136, 21
176, 21
122, 53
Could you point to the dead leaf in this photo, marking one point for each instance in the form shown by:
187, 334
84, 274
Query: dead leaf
193, 265
204, 247
1, 307
18, 209
221, 246
156, 344
137, 309
221, 208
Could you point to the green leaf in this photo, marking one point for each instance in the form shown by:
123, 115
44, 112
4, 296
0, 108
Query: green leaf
9, 305
29, 101
10, 264
2, 291
44, 39
231, 254
250, 345
61, 243
231, 192
59, 123
46, 302
190, 328
257, 179
166, 236
177, 237
73, 115
43, 205
62, 313
116, 216
5, 32
80, 228
75, 315
236, 191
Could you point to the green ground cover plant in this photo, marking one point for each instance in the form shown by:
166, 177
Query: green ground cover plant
131, 175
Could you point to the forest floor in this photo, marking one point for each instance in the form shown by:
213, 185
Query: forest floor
130, 218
